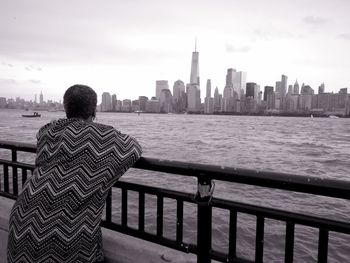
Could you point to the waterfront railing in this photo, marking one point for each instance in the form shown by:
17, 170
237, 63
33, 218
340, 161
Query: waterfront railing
15, 173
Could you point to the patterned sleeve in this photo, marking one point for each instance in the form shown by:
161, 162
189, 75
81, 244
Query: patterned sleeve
130, 149
42, 130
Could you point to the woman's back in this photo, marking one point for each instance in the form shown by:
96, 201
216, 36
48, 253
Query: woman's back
56, 217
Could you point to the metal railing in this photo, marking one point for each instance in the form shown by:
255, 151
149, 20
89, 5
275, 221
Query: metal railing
205, 203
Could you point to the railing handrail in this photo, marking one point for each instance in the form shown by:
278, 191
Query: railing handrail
284, 181
19, 146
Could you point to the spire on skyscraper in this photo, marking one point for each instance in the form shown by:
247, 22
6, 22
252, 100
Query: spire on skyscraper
195, 44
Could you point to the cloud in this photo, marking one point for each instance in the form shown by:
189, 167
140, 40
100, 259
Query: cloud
315, 21
7, 64
345, 36
31, 67
231, 49
270, 34
7, 81
35, 81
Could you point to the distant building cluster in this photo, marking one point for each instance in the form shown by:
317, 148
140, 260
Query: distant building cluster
238, 97
20, 103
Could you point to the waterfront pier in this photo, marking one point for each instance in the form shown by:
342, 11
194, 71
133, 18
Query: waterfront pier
14, 173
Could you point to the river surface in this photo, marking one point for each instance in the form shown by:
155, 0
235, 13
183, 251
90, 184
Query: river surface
315, 147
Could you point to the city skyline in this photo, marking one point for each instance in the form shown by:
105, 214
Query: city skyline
123, 48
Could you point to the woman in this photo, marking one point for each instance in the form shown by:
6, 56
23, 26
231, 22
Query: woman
57, 216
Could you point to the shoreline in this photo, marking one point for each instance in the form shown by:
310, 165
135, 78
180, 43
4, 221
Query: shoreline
262, 114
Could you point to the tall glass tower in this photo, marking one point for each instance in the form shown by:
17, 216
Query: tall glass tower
194, 78
193, 88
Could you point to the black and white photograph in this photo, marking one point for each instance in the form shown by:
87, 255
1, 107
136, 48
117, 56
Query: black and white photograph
174, 131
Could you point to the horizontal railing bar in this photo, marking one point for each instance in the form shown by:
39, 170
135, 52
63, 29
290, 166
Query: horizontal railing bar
19, 146
156, 191
184, 247
8, 195
18, 164
222, 257
281, 215
290, 182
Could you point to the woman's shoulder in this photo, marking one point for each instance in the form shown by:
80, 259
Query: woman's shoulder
102, 127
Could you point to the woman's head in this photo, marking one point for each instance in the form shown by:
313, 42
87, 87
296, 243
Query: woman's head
80, 102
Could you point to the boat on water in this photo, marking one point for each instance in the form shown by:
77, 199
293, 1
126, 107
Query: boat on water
34, 115
333, 117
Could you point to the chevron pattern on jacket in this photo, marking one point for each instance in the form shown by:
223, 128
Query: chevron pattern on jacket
57, 216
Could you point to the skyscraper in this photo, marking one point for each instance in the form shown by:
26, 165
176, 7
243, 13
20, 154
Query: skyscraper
236, 81
178, 89
41, 98
209, 101
106, 104
321, 88
165, 101
252, 90
208, 93
267, 90
269, 97
234, 88
160, 85
193, 88
278, 87
114, 102
194, 78
284, 81
296, 87
143, 100
193, 98
217, 100
179, 96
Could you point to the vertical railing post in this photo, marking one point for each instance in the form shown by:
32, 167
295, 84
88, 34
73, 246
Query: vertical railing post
323, 246
14, 173
204, 218
109, 206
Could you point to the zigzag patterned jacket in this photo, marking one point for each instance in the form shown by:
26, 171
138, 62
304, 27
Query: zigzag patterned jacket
56, 218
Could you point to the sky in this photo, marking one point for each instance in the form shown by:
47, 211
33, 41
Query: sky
123, 47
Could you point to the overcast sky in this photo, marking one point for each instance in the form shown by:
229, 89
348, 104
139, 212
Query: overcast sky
123, 47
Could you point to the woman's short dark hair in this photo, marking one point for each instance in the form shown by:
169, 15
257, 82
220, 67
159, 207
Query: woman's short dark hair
80, 102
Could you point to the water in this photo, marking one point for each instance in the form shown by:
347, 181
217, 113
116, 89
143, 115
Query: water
313, 147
